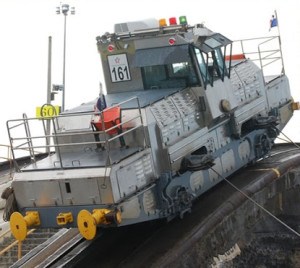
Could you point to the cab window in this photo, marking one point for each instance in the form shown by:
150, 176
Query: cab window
211, 65
220, 61
202, 65
175, 75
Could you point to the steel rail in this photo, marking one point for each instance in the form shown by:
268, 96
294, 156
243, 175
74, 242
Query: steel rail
42, 252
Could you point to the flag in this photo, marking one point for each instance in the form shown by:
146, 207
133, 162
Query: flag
273, 22
101, 101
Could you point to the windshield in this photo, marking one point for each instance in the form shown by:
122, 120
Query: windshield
175, 75
166, 67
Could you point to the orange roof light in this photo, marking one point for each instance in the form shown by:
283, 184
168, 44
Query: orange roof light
162, 22
173, 21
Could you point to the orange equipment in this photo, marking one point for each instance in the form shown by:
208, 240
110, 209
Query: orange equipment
111, 117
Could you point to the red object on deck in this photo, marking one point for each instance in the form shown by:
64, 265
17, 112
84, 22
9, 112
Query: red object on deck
235, 57
111, 118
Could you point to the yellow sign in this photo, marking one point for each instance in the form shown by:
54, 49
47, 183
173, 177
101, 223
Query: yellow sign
48, 110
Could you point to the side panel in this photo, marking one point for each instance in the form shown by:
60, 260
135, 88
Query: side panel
222, 90
187, 146
132, 174
247, 82
247, 111
63, 187
37, 193
278, 92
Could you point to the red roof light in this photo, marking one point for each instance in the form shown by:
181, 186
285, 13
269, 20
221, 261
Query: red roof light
173, 21
111, 48
172, 41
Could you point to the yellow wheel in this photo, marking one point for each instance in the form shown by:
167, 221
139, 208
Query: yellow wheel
18, 226
86, 224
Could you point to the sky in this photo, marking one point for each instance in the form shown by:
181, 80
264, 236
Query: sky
25, 27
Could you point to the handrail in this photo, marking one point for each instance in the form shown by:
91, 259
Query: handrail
124, 133
14, 243
8, 158
29, 140
74, 134
31, 143
9, 150
266, 56
5, 233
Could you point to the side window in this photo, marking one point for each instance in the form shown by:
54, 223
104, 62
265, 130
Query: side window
202, 65
213, 66
220, 60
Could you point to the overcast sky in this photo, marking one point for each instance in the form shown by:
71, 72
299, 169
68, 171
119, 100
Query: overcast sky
25, 26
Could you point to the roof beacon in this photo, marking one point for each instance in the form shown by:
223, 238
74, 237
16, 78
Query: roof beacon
173, 21
182, 20
162, 22
111, 48
172, 41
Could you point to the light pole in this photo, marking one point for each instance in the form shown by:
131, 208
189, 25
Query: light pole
64, 9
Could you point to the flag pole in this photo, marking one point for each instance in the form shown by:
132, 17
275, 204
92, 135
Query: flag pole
275, 12
279, 39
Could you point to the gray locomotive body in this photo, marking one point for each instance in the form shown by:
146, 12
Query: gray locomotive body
182, 114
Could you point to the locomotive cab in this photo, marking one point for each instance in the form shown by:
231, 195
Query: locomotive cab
161, 64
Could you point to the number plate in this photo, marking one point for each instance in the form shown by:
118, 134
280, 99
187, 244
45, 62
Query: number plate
118, 66
47, 111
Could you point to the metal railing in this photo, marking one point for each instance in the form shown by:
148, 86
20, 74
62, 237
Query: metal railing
10, 246
40, 141
264, 50
8, 152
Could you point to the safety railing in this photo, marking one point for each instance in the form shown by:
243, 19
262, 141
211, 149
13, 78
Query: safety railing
6, 161
265, 51
26, 134
16, 242
6, 152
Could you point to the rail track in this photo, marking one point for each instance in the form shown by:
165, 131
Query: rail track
158, 243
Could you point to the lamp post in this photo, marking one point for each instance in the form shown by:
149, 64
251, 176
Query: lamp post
64, 9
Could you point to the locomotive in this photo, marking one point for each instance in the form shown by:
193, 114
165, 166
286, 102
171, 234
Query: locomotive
181, 113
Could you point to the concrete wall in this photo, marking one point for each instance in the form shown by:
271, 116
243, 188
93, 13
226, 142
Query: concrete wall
229, 243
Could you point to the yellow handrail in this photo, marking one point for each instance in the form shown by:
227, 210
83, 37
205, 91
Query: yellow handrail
14, 243
6, 232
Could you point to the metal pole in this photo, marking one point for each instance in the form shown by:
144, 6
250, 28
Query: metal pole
64, 65
49, 90
279, 39
19, 250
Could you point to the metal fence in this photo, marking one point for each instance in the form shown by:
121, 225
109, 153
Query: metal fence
28, 136
266, 52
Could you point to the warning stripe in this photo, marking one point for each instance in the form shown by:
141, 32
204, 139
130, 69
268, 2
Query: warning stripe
273, 169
